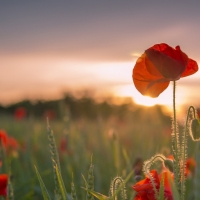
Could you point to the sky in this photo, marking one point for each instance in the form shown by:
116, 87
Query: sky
49, 47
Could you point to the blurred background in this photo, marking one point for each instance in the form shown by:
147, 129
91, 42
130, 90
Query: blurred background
72, 62
48, 49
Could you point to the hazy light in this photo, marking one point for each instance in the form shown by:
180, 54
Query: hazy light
137, 55
129, 90
52, 77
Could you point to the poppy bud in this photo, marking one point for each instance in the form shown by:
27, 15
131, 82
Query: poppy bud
195, 130
169, 164
138, 178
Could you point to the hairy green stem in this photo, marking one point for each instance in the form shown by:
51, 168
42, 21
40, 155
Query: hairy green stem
175, 144
184, 150
146, 169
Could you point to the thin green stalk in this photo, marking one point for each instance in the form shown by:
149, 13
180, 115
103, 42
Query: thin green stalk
115, 184
184, 151
90, 182
146, 169
73, 190
175, 141
196, 186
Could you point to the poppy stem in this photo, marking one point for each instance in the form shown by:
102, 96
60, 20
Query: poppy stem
175, 142
184, 149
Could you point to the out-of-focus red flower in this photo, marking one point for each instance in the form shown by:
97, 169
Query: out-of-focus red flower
20, 113
145, 190
3, 137
63, 145
137, 166
159, 65
50, 114
190, 167
198, 112
12, 142
9, 143
170, 157
3, 184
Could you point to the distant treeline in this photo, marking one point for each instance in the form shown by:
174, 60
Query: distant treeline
84, 107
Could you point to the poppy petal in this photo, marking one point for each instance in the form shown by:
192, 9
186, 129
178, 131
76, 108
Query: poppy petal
159, 65
175, 54
145, 82
3, 184
170, 65
192, 67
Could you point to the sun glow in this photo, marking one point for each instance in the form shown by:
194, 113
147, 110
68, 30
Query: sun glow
129, 90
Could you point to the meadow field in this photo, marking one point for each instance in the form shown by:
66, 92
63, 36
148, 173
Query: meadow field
115, 143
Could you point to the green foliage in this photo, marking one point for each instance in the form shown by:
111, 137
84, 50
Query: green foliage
175, 192
73, 191
55, 162
60, 184
43, 188
161, 191
84, 137
196, 186
116, 183
10, 190
90, 182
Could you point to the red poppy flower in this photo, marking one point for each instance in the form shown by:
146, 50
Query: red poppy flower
63, 144
20, 113
158, 66
190, 167
50, 114
145, 190
3, 184
3, 137
198, 112
12, 142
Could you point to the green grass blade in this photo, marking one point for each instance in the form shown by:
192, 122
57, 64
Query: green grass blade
86, 184
61, 184
53, 147
197, 174
96, 194
90, 181
10, 190
174, 189
43, 188
73, 192
161, 191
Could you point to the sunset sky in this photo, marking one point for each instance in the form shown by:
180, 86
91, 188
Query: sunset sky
50, 47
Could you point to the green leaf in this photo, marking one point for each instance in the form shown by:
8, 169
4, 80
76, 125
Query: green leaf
43, 188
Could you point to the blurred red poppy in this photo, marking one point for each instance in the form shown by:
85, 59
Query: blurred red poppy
12, 142
190, 167
159, 65
20, 113
50, 114
3, 184
198, 112
145, 190
9, 143
3, 137
63, 147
